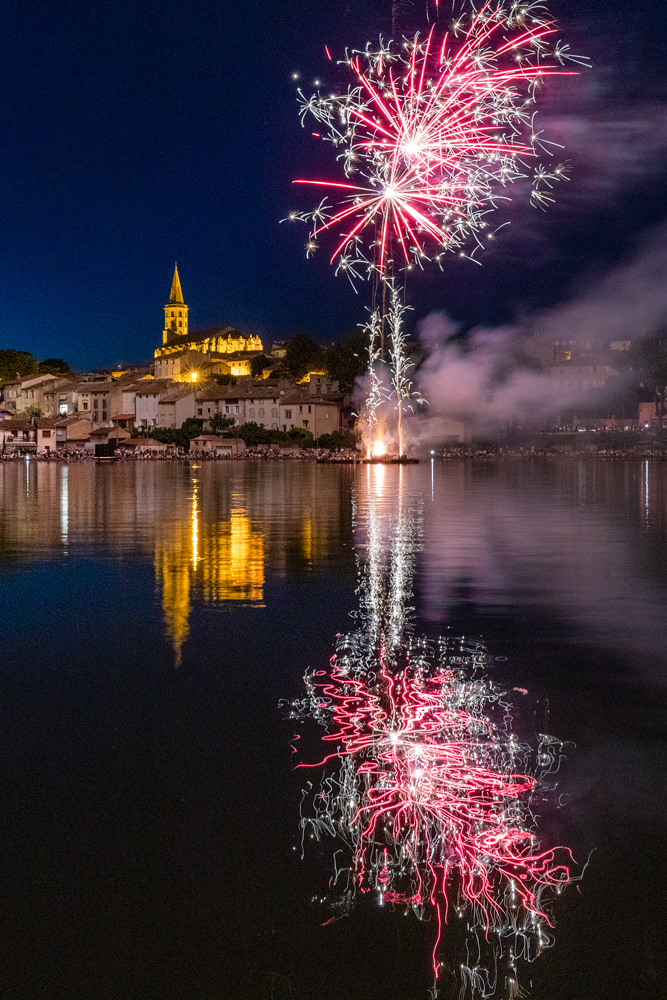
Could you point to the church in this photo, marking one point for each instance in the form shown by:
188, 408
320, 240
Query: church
192, 357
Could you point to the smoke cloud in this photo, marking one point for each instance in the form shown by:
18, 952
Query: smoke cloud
490, 378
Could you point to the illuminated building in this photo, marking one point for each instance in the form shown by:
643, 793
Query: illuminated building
219, 349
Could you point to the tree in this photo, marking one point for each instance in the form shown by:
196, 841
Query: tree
180, 436
301, 437
302, 354
336, 440
32, 413
15, 364
258, 364
348, 360
253, 433
219, 423
54, 366
224, 379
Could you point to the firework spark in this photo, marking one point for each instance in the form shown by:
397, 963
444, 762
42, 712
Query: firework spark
424, 779
430, 135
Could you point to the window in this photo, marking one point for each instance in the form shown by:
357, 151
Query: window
46, 434
180, 312
305, 423
180, 322
172, 314
288, 414
274, 413
237, 409
251, 412
310, 409
260, 412
85, 404
318, 390
301, 409
63, 408
199, 412
226, 409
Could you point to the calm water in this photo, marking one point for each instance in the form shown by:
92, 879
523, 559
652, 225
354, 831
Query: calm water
154, 615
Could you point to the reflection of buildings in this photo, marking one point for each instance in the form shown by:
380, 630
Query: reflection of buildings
212, 533
223, 560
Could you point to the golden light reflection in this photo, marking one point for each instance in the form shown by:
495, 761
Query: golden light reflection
195, 520
307, 539
232, 560
220, 561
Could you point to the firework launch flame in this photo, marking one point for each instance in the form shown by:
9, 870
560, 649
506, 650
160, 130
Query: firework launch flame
424, 780
430, 135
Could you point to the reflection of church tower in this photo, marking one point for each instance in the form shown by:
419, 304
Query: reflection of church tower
175, 313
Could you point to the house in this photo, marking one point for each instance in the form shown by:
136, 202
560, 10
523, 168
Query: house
103, 437
9, 393
17, 433
99, 400
59, 398
213, 444
274, 404
46, 434
319, 383
176, 406
31, 392
145, 398
73, 432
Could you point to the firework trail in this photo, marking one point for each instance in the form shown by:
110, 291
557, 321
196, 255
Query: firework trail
424, 780
430, 134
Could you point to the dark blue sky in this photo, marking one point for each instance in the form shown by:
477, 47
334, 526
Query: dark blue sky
139, 134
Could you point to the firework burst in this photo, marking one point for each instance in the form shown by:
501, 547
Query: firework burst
430, 135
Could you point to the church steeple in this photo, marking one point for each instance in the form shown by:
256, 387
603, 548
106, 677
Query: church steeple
175, 312
176, 293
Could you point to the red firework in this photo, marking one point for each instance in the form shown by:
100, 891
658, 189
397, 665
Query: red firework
431, 132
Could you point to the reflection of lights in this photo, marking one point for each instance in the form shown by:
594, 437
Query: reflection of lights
64, 504
194, 517
423, 779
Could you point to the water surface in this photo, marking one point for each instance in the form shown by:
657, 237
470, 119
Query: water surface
154, 614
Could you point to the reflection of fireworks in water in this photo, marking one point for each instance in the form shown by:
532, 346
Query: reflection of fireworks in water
429, 133
433, 791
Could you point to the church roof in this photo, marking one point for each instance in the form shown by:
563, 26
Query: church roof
176, 293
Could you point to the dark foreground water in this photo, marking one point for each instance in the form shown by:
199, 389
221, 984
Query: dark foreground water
154, 615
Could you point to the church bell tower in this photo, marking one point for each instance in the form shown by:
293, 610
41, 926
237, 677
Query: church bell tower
175, 314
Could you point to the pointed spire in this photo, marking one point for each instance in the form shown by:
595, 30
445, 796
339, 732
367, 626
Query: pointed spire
176, 293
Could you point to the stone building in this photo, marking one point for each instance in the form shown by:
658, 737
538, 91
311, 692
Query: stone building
191, 357
276, 405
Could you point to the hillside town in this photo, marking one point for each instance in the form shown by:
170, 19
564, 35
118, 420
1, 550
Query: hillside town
218, 392
202, 384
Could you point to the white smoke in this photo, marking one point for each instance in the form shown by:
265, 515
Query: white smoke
488, 380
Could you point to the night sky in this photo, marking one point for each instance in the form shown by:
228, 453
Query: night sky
135, 135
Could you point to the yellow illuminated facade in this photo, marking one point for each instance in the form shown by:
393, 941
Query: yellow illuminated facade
176, 340
220, 561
